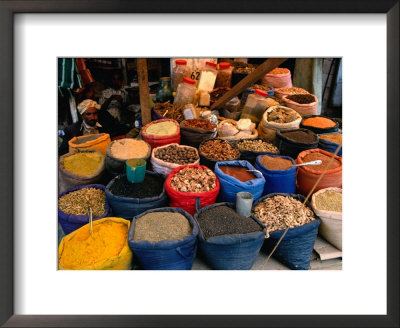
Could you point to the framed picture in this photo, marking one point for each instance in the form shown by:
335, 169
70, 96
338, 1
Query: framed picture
208, 299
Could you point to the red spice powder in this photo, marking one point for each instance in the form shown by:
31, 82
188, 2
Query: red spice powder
319, 122
238, 172
324, 158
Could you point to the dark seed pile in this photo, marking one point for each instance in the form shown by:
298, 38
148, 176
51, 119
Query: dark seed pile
302, 99
223, 220
300, 136
151, 186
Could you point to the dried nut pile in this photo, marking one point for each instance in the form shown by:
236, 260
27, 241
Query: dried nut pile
302, 98
219, 150
199, 124
281, 212
168, 110
194, 179
129, 148
178, 155
260, 87
293, 90
77, 202
282, 115
257, 146
279, 70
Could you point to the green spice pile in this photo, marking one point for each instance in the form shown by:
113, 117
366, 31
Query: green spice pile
257, 146
158, 226
77, 202
223, 220
281, 212
329, 201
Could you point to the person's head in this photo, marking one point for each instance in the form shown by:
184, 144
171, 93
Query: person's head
116, 81
88, 111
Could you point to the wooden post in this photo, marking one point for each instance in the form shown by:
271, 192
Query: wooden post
124, 72
144, 90
253, 77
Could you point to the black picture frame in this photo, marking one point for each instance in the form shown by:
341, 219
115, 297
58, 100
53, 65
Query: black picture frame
7, 11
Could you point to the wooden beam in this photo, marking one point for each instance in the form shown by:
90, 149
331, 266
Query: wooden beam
253, 77
144, 90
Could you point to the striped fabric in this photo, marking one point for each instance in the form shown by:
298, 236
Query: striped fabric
68, 75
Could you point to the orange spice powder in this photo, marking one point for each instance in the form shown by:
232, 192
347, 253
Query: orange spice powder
319, 122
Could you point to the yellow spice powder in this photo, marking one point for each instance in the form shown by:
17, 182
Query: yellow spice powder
162, 128
107, 241
85, 163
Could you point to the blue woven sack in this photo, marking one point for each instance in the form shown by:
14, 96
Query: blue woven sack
127, 208
168, 254
278, 180
230, 186
71, 222
231, 252
295, 249
329, 145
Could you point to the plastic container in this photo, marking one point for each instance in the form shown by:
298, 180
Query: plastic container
185, 92
244, 203
180, 71
250, 90
255, 106
224, 75
204, 99
208, 76
135, 170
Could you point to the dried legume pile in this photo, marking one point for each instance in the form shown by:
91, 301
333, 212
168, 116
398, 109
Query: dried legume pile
162, 128
223, 220
168, 110
279, 70
336, 138
158, 226
107, 241
219, 150
276, 163
238, 172
200, 124
257, 146
281, 212
329, 201
293, 90
319, 122
77, 202
194, 179
129, 148
85, 163
282, 115
324, 158
151, 186
302, 98
260, 87
177, 155
300, 136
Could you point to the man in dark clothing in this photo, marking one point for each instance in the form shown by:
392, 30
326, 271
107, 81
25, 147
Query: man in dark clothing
89, 124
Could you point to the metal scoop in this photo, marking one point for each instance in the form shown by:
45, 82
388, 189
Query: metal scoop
317, 162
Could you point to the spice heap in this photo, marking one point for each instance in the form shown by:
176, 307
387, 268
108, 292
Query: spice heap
162, 128
279, 70
129, 148
302, 98
83, 163
219, 150
223, 220
324, 158
276, 163
218, 93
329, 201
159, 226
282, 115
293, 90
300, 136
107, 241
194, 179
78, 201
151, 186
177, 155
281, 212
336, 137
200, 124
87, 138
260, 87
319, 122
168, 110
238, 172
257, 146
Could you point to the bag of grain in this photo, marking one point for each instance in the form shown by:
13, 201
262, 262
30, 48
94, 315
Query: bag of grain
306, 104
293, 142
195, 131
280, 92
161, 132
97, 141
278, 78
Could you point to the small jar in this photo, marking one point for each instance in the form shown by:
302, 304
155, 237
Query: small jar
208, 75
204, 99
164, 92
255, 106
189, 112
185, 92
224, 75
180, 71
